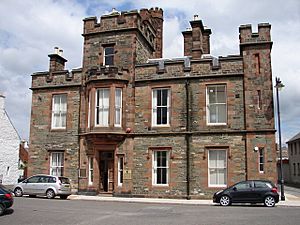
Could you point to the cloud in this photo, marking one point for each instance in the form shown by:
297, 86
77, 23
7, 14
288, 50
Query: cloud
30, 29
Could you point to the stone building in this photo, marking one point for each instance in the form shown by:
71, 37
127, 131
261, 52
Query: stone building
294, 159
132, 123
9, 148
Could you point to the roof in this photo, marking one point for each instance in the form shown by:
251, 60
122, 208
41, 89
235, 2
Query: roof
296, 137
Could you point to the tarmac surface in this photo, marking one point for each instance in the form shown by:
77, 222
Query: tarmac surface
292, 199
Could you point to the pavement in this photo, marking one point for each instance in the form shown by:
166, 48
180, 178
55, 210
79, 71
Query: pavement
290, 200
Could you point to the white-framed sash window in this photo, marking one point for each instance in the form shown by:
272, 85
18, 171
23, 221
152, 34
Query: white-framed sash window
57, 164
89, 110
91, 170
59, 111
118, 107
120, 170
261, 159
160, 167
102, 107
109, 55
216, 105
217, 168
160, 107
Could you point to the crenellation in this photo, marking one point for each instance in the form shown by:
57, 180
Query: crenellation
59, 78
226, 66
247, 36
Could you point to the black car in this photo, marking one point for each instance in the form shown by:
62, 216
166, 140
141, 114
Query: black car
250, 191
6, 199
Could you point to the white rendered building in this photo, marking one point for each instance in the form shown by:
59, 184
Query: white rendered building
9, 148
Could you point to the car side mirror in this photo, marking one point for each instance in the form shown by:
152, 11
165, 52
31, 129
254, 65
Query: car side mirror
234, 188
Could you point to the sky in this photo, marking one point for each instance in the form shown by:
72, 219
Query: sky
29, 31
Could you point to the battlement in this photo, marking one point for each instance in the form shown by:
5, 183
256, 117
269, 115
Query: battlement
143, 20
56, 79
249, 37
149, 23
183, 67
153, 12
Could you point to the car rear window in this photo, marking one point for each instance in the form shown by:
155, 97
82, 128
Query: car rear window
261, 184
3, 189
52, 180
64, 180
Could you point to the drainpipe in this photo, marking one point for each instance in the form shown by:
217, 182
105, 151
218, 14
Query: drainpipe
246, 136
187, 139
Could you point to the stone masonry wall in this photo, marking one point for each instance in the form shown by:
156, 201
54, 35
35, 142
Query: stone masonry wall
236, 167
43, 140
142, 166
197, 93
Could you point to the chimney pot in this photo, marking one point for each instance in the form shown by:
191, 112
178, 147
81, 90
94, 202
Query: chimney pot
2, 101
56, 50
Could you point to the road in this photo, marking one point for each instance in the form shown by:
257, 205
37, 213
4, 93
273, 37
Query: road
33, 211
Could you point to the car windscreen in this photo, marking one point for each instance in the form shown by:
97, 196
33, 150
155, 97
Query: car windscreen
64, 180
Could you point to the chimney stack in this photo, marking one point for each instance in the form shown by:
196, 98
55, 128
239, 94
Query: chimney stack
196, 40
57, 62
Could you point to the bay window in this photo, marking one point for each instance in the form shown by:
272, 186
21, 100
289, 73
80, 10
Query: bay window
118, 107
102, 107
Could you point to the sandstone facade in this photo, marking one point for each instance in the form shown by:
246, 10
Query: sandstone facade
141, 125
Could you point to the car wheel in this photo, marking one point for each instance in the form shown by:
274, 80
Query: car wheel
64, 196
18, 192
50, 194
225, 200
269, 201
1, 209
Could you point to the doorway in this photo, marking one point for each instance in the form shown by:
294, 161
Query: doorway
106, 171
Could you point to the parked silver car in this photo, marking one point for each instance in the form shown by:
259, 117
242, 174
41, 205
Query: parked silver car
47, 185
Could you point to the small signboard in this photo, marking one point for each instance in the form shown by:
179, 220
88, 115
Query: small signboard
127, 174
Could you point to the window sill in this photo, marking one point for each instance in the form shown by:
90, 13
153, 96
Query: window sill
160, 126
160, 185
58, 129
217, 186
216, 124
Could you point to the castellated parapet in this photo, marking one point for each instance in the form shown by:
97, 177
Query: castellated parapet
148, 22
249, 37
